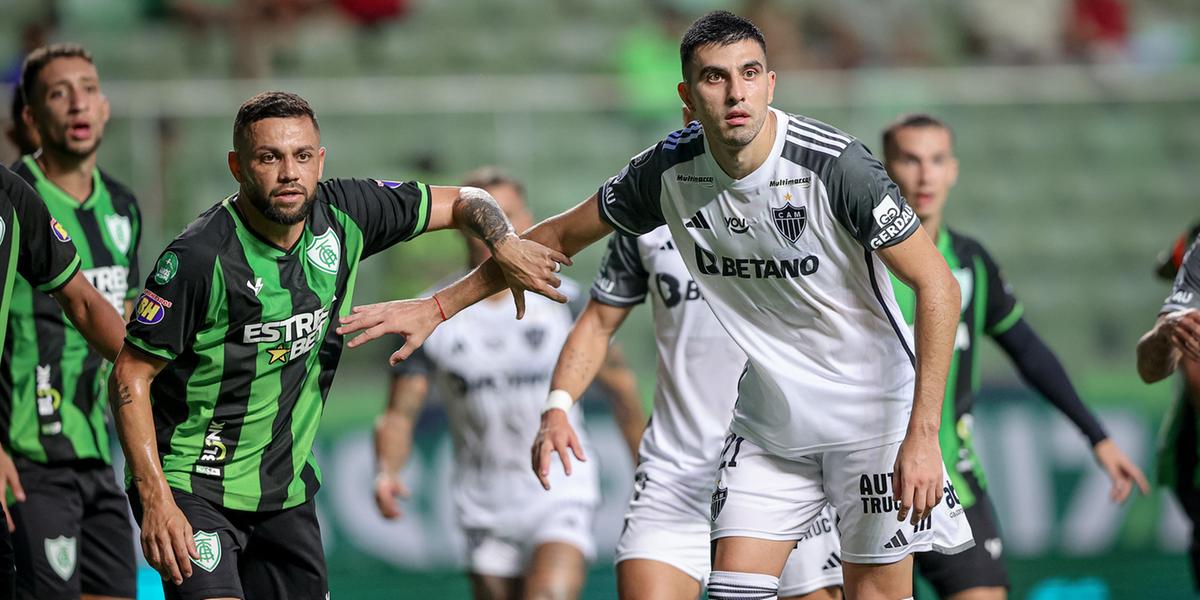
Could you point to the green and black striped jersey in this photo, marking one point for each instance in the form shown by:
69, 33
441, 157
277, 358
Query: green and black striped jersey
59, 405
247, 329
35, 246
988, 307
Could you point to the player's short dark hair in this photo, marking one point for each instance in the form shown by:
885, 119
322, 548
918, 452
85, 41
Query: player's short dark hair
491, 176
270, 105
719, 27
39, 58
911, 120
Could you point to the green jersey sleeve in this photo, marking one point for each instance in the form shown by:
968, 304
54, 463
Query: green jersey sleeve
1002, 309
172, 306
46, 257
387, 212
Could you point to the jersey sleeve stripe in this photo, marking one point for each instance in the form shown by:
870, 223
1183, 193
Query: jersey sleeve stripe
813, 146
148, 349
820, 138
423, 210
606, 298
824, 130
1007, 322
54, 284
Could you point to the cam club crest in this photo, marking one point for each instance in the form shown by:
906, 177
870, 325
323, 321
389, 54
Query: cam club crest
535, 336
208, 546
325, 252
718, 501
60, 552
790, 220
119, 231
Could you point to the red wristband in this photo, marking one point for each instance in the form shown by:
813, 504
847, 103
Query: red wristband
439, 305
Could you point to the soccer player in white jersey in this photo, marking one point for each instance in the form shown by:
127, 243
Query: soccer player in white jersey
663, 553
789, 227
493, 372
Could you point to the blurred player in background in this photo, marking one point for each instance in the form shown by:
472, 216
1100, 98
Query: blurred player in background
22, 136
1174, 342
41, 251
663, 553
493, 373
231, 339
58, 428
919, 155
788, 227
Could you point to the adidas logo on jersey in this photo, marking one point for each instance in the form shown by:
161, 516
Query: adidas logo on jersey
698, 221
897, 541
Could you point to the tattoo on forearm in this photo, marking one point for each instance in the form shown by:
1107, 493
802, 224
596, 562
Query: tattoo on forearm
482, 215
124, 395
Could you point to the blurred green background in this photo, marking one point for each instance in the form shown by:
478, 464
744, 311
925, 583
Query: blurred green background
1078, 133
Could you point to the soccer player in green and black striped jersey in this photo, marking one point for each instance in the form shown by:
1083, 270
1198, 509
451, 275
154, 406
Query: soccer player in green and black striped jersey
230, 354
919, 156
38, 248
56, 424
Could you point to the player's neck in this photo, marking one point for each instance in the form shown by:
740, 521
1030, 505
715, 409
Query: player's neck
71, 173
743, 160
932, 225
282, 236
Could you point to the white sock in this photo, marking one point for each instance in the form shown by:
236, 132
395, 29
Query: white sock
731, 585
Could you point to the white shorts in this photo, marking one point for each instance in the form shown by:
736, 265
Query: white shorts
659, 526
506, 552
763, 496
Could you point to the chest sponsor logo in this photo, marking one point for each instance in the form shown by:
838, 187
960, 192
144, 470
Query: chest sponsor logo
61, 554
325, 252
891, 219
208, 547
292, 337
790, 220
701, 180
151, 309
112, 282
60, 232
1181, 297
120, 231
710, 263
737, 224
803, 182
673, 291
165, 268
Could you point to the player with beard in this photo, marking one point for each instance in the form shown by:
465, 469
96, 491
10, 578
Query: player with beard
73, 533
789, 228
919, 155
229, 357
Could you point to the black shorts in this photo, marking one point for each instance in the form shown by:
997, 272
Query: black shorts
979, 566
73, 534
253, 555
1189, 499
8, 569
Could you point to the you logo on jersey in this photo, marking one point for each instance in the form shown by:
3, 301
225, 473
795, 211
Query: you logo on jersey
293, 337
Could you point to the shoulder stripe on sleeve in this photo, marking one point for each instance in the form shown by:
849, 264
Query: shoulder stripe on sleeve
822, 129
148, 349
423, 210
683, 136
806, 133
813, 146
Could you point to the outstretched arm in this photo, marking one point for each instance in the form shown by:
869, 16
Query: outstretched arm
393, 440
564, 234
92, 315
581, 358
166, 534
1040, 367
1174, 334
918, 476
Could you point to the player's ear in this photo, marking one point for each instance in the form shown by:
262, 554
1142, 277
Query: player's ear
770, 86
685, 95
27, 116
105, 108
320, 162
235, 168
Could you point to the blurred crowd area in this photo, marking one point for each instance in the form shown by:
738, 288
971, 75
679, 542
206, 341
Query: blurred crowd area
1076, 120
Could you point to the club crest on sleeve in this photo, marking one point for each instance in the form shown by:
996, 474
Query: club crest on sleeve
120, 231
166, 267
60, 232
790, 220
325, 252
151, 308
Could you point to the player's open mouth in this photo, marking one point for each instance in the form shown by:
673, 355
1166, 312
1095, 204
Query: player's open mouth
289, 196
737, 117
80, 131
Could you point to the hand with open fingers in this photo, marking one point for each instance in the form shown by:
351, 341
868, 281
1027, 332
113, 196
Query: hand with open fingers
1122, 471
9, 480
555, 435
167, 540
917, 481
1183, 329
413, 319
529, 266
388, 487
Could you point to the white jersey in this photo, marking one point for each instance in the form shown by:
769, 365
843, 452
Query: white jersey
785, 258
493, 373
698, 363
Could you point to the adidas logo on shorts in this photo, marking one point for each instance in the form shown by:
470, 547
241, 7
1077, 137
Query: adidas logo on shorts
898, 541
